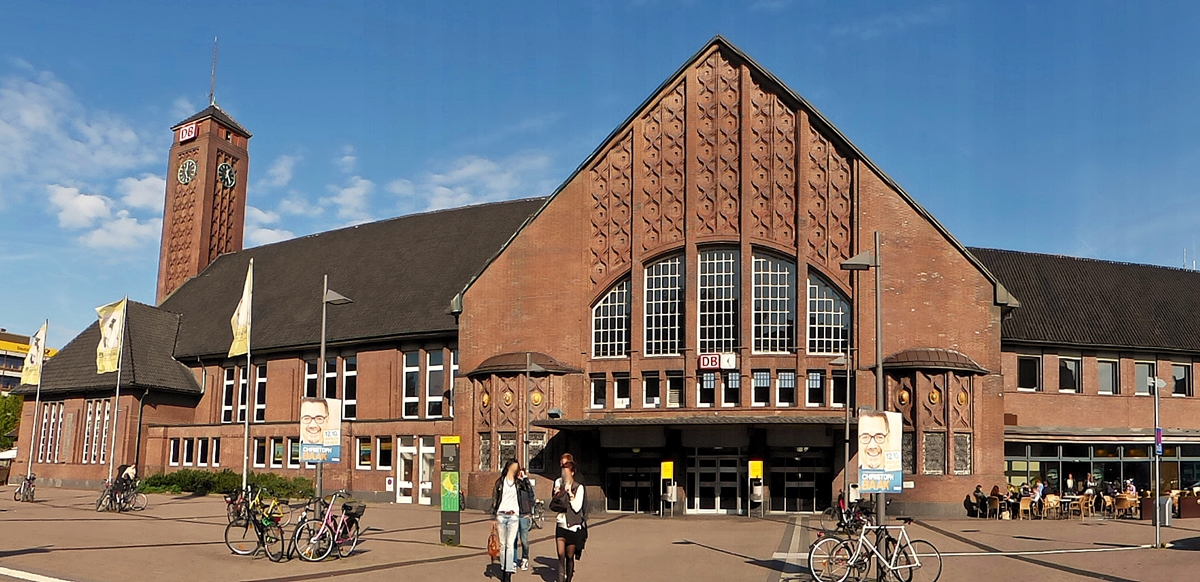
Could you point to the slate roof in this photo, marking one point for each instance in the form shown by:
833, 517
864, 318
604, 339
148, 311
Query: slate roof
150, 335
1091, 303
401, 274
217, 113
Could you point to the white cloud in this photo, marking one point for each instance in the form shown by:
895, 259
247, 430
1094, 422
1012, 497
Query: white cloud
890, 24
147, 192
474, 179
257, 233
297, 204
183, 108
351, 199
347, 161
123, 231
75, 209
279, 174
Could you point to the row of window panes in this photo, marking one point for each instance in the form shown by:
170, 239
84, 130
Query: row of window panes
1108, 373
237, 390
508, 449
1084, 451
719, 308
820, 390
97, 416
50, 435
195, 452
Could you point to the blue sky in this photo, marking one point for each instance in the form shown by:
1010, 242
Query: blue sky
1057, 127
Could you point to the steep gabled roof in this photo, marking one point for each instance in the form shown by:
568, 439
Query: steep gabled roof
1001, 296
401, 274
147, 361
218, 114
1101, 304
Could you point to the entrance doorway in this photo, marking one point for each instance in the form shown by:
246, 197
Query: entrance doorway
632, 489
715, 482
414, 469
801, 480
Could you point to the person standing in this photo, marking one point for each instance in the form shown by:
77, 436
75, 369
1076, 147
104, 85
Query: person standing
571, 530
507, 509
525, 500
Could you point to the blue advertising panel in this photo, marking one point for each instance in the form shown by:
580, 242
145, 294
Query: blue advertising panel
879, 465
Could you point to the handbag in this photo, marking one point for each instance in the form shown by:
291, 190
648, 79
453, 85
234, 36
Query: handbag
493, 544
561, 502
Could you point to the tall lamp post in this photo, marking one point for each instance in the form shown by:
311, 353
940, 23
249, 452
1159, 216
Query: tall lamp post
847, 360
328, 297
862, 262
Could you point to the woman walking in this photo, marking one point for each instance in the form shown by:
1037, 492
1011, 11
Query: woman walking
507, 510
571, 531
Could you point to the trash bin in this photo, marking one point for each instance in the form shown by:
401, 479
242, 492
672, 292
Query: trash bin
1165, 508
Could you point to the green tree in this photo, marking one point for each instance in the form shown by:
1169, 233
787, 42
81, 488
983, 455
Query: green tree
10, 417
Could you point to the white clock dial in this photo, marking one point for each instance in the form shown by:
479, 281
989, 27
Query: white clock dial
187, 171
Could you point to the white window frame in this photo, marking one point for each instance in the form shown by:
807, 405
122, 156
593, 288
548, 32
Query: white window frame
1040, 376
757, 379
647, 400
681, 393
1187, 374
611, 322
718, 280
728, 379
627, 401
379, 466
202, 452
828, 319
602, 401
271, 452
104, 440
293, 444
176, 452
259, 441
189, 450
415, 371
662, 303
1078, 389
228, 395
243, 394
430, 370
330, 389
782, 378
349, 370
701, 378
808, 387
260, 393
774, 305
833, 377
1116, 387
450, 389
1150, 389
216, 452
310, 379
45, 426
89, 410
358, 450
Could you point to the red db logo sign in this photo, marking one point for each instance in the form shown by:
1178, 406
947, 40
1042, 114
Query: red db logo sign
187, 132
710, 361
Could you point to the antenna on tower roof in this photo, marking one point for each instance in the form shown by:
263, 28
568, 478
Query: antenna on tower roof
212, 82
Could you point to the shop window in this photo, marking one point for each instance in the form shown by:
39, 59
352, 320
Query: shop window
610, 323
383, 461
934, 453
485, 451
350, 387
310, 379
260, 393
815, 392
774, 305
1015, 450
1109, 378
621, 389
599, 391
651, 387
364, 452
435, 382
228, 393
719, 297
706, 389
175, 446
962, 454
260, 452
1068, 375
508, 446
731, 388
761, 395
1029, 373
412, 385
1181, 376
1144, 372
828, 319
216, 452
278, 452
201, 452
674, 389
664, 307
785, 389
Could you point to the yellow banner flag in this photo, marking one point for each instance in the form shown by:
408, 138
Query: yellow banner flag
112, 330
31, 371
241, 316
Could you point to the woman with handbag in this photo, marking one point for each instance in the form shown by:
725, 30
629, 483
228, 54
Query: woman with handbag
571, 532
506, 509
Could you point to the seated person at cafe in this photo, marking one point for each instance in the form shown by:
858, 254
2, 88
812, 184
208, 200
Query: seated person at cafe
980, 499
971, 506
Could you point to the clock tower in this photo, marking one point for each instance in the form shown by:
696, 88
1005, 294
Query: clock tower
205, 211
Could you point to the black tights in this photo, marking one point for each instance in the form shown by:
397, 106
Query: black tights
566, 559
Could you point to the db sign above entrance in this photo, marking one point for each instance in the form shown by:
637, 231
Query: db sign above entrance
725, 361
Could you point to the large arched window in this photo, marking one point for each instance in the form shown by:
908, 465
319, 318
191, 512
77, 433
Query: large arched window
774, 305
664, 307
828, 318
610, 323
719, 298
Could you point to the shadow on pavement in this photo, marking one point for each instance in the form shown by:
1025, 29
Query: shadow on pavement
25, 551
771, 564
1187, 544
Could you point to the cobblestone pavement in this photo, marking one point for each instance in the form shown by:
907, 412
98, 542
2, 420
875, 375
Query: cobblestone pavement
61, 537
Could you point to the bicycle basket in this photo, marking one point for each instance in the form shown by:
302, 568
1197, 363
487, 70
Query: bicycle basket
354, 509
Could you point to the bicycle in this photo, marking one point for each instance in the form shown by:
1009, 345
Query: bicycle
833, 559
539, 514
25, 490
314, 540
125, 499
848, 519
264, 521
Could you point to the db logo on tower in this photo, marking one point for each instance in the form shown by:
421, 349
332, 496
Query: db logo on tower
187, 132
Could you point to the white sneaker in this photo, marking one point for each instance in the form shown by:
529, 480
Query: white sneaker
525, 564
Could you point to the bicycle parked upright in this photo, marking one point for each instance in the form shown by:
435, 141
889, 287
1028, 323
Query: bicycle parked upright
315, 540
24, 491
261, 528
121, 498
847, 518
833, 559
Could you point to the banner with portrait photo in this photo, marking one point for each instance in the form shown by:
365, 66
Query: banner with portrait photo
879, 465
320, 430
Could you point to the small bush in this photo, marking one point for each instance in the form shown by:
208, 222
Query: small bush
226, 482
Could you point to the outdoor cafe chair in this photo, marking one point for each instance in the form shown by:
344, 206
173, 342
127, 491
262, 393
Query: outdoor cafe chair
1051, 507
1026, 508
993, 507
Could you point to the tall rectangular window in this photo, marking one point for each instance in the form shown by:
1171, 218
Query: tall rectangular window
1068, 375
310, 379
364, 453
1144, 372
189, 452
216, 452
331, 378
260, 452
435, 383
762, 388
651, 390
412, 385
485, 451
49, 443
1181, 376
89, 416
350, 387
785, 389
828, 319
718, 313
610, 323
42, 434
621, 390
201, 452
293, 452
815, 394
599, 391
664, 307
1109, 377
228, 393
731, 389
706, 389
175, 446
774, 305
243, 394
453, 379
1029, 373
383, 460
841, 389
104, 431
260, 393
278, 452
675, 389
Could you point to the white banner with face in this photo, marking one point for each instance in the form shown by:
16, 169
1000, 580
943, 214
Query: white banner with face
879, 466
320, 430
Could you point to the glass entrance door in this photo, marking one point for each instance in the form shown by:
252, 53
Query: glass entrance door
632, 489
406, 454
425, 488
715, 484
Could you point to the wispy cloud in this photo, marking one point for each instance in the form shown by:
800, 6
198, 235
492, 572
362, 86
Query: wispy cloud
182, 108
352, 200
147, 192
257, 231
474, 179
347, 161
279, 173
76, 209
891, 24
123, 232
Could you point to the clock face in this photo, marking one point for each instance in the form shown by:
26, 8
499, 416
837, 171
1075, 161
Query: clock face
227, 175
187, 171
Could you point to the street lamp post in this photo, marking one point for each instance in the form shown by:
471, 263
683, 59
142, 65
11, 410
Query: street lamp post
846, 360
862, 262
327, 297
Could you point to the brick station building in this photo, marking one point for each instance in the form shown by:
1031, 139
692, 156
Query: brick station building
714, 220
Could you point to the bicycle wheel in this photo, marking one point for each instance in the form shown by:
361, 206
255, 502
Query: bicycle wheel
313, 541
824, 562
29, 494
241, 538
858, 520
919, 561
102, 502
348, 540
18, 493
829, 520
139, 501
273, 542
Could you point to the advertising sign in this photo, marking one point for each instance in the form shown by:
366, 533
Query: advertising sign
756, 469
667, 470
320, 430
879, 466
